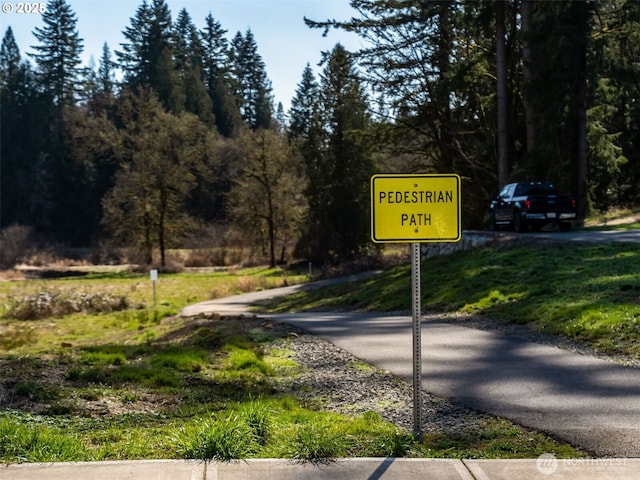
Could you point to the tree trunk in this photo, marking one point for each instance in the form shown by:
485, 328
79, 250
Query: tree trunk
502, 99
272, 244
579, 115
271, 226
444, 66
148, 243
527, 15
161, 227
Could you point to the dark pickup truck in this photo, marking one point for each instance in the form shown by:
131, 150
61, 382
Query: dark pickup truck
531, 204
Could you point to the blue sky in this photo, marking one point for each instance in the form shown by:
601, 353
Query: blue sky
285, 43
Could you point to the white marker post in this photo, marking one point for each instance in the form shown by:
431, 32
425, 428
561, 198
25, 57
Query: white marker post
154, 278
414, 209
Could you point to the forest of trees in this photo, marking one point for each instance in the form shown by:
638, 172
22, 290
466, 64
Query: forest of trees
176, 129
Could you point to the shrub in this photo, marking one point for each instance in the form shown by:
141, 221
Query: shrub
54, 303
15, 244
38, 392
317, 444
257, 416
220, 440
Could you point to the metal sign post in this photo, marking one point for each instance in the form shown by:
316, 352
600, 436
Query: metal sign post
417, 341
408, 208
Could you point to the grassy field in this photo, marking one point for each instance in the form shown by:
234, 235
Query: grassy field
90, 369
588, 293
113, 306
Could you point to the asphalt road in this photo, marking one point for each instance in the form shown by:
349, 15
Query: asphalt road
630, 236
589, 236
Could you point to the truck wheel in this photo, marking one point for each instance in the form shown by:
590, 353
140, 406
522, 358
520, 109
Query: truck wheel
492, 222
518, 223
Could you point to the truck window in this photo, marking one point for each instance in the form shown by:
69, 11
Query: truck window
535, 189
507, 190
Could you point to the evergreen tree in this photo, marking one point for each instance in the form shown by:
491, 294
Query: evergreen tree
217, 77
134, 58
411, 47
253, 89
527, 72
101, 100
623, 72
106, 74
216, 48
280, 119
11, 67
307, 131
147, 58
189, 53
430, 63
304, 104
613, 115
558, 95
59, 72
338, 223
502, 115
348, 155
90, 83
25, 182
188, 50
305, 122
58, 54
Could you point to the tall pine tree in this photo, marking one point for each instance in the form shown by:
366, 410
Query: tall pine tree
25, 183
304, 105
338, 174
58, 60
252, 87
147, 57
58, 54
217, 77
188, 55
106, 73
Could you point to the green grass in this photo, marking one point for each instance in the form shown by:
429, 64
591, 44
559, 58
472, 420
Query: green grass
617, 219
21, 443
589, 293
111, 306
141, 383
620, 227
185, 399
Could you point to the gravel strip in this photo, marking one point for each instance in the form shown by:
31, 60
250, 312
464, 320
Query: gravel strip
337, 381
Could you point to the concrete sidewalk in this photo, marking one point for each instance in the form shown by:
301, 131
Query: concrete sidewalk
546, 467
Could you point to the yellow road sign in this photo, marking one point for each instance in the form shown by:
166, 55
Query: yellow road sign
415, 208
